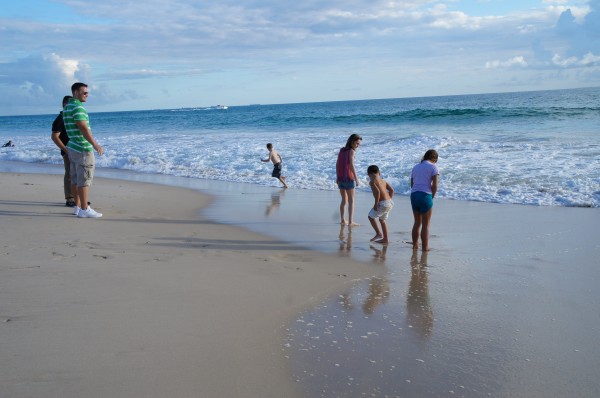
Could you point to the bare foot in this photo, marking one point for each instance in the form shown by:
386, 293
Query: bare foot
376, 237
415, 246
353, 224
382, 241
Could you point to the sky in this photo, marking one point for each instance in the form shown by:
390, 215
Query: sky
164, 54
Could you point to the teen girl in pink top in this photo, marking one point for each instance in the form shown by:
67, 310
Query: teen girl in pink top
347, 179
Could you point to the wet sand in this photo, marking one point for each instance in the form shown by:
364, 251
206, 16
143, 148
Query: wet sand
157, 300
507, 307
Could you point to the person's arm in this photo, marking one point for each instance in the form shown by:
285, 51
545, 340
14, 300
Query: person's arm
376, 194
87, 134
337, 169
56, 138
352, 169
434, 185
389, 189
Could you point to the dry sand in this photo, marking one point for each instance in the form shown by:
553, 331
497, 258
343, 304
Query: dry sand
149, 301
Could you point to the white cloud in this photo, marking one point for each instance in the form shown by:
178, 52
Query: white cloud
580, 37
588, 59
43, 75
515, 61
564, 62
42, 81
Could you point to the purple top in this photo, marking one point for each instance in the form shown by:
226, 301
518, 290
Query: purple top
422, 174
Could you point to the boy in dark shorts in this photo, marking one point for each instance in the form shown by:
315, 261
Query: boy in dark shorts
275, 157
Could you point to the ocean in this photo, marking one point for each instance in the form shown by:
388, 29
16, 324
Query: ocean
532, 148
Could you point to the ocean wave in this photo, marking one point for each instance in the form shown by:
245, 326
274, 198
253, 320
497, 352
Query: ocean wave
514, 148
543, 173
438, 116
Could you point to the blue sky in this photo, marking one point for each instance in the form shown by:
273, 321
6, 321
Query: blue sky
183, 53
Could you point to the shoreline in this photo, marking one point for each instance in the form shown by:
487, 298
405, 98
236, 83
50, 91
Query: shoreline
506, 299
310, 218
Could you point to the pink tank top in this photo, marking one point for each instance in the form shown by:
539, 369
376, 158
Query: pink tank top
344, 174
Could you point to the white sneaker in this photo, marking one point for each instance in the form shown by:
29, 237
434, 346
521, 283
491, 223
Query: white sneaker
76, 210
89, 213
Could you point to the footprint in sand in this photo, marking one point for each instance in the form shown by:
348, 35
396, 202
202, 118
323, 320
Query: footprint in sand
102, 256
293, 258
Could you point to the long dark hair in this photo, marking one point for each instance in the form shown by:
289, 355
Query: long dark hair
351, 139
430, 155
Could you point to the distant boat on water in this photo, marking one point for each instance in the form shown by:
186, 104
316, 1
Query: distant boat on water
208, 108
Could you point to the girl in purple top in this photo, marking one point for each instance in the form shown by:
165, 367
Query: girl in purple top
423, 187
346, 177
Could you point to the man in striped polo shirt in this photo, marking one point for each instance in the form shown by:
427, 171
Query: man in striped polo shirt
80, 148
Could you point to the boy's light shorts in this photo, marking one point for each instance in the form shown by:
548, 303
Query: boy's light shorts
82, 168
383, 210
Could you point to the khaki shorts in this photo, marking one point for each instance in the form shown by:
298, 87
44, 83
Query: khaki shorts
82, 167
383, 210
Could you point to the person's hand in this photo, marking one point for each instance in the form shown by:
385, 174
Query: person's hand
99, 149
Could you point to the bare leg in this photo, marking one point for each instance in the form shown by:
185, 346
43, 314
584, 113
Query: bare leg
351, 207
75, 193
376, 228
344, 195
384, 229
425, 231
415, 230
82, 193
282, 179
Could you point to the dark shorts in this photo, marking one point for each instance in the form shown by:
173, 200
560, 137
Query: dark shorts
421, 202
276, 170
346, 185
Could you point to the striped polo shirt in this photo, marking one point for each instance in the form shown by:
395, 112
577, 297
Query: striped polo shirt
74, 112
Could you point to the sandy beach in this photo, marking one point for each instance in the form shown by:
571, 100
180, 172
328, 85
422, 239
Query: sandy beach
149, 301
156, 299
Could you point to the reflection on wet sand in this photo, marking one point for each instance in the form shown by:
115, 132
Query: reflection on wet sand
364, 342
275, 202
345, 240
379, 253
379, 292
419, 315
